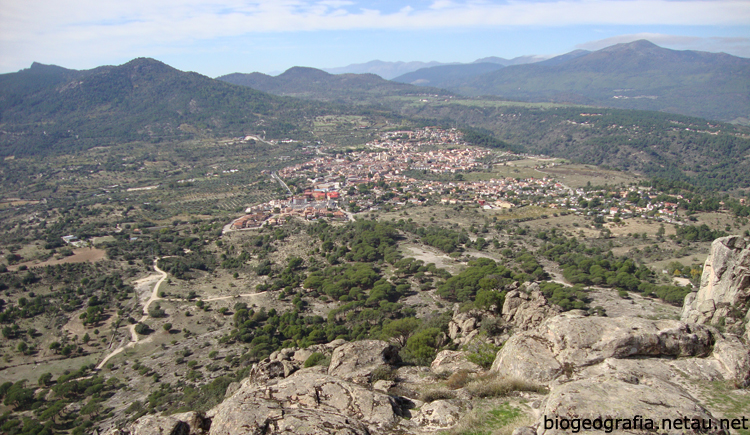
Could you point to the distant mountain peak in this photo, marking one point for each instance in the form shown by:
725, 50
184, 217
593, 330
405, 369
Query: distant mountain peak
639, 45
304, 71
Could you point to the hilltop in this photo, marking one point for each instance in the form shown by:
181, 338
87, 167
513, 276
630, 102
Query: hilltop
52, 109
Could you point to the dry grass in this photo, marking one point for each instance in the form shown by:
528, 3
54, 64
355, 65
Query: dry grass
436, 393
490, 385
459, 379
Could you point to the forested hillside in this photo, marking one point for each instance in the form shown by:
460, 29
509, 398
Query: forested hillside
50, 109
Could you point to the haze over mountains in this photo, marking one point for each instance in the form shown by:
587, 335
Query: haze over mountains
391, 70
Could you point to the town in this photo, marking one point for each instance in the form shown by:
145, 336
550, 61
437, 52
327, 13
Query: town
430, 166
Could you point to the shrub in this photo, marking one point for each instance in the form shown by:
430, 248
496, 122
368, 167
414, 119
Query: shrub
317, 359
383, 373
458, 380
142, 328
481, 353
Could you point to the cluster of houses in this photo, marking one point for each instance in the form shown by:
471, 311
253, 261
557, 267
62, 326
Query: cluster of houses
336, 179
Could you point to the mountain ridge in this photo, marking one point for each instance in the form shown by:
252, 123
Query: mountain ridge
638, 75
45, 108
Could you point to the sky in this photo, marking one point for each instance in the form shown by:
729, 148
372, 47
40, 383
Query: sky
225, 36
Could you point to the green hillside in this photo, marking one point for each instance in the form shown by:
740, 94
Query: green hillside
50, 109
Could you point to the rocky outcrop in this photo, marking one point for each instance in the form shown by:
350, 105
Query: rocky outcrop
451, 361
648, 365
592, 399
187, 423
524, 310
724, 295
464, 327
356, 361
566, 343
305, 403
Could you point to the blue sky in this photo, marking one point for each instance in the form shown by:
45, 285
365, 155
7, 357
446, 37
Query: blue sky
225, 36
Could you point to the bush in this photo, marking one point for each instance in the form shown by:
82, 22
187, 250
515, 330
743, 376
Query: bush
383, 373
142, 328
481, 353
317, 359
459, 379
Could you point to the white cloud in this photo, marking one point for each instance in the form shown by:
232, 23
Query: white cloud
80, 29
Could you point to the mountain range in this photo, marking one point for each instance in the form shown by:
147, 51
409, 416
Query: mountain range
636, 75
46, 108
311, 83
391, 70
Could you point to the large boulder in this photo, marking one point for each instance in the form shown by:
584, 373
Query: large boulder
592, 399
724, 295
565, 343
356, 361
305, 403
188, 423
451, 361
437, 415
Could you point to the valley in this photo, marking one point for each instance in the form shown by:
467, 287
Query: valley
399, 252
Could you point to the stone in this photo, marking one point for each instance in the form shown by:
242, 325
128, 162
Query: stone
451, 361
524, 430
266, 370
565, 343
527, 311
651, 398
383, 385
159, 425
305, 403
439, 414
734, 357
357, 360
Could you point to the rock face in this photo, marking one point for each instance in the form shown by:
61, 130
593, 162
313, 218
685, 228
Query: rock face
437, 415
356, 361
526, 311
451, 361
305, 403
566, 343
463, 327
188, 423
649, 366
724, 295
593, 399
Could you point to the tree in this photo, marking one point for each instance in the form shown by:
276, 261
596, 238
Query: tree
18, 396
400, 330
45, 379
167, 326
142, 328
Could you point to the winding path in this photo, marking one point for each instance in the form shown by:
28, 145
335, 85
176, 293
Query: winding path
134, 335
153, 298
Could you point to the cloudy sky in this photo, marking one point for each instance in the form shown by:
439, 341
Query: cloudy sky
224, 36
